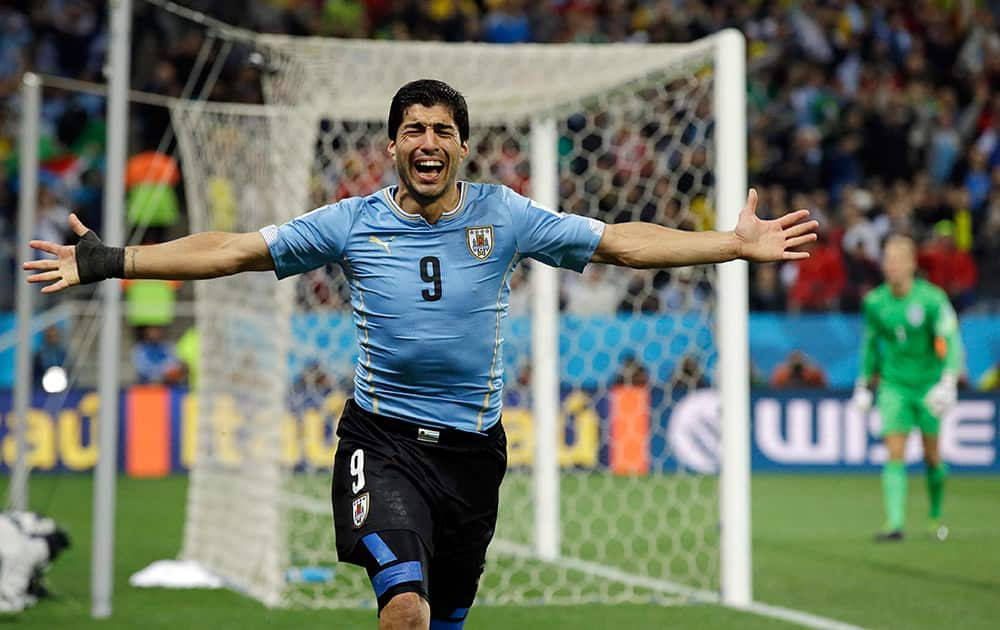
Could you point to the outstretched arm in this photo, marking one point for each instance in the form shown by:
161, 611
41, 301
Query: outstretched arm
194, 257
646, 246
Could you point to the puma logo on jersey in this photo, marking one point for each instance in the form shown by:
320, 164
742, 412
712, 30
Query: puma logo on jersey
385, 243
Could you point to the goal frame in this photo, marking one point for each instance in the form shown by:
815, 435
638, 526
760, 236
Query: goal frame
726, 52
731, 332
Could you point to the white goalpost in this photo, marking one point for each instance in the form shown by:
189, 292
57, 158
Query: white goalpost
599, 505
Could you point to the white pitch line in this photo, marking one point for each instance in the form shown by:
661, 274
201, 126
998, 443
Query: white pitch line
805, 619
796, 616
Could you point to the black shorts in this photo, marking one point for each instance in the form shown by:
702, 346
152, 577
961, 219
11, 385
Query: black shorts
431, 494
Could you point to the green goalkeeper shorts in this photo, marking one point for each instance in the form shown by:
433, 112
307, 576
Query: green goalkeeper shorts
903, 408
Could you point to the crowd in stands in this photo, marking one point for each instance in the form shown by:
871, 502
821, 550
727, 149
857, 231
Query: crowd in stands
879, 116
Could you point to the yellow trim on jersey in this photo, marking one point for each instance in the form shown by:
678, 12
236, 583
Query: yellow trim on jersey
364, 344
403, 214
496, 344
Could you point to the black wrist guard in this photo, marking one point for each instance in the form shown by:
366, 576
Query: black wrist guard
95, 261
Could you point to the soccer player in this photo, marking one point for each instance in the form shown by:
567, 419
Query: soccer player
911, 340
422, 451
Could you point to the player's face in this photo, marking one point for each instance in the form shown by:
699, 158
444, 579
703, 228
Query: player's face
428, 151
899, 262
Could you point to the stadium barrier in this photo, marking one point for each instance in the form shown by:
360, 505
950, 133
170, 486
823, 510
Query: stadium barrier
793, 431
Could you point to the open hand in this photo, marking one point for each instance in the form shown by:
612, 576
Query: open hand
61, 271
772, 240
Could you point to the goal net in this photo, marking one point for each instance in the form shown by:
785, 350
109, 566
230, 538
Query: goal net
624, 505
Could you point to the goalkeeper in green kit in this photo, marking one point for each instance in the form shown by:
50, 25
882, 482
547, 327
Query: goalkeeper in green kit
911, 340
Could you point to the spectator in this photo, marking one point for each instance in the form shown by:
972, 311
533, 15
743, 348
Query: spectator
847, 98
15, 38
988, 248
150, 302
522, 383
154, 359
988, 142
861, 256
945, 145
52, 218
688, 376
506, 22
189, 354
153, 206
844, 164
640, 297
593, 293
155, 120
312, 383
859, 234
862, 274
766, 293
8, 247
977, 180
817, 281
687, 290
71, 31
50, 353
455, 20
631, 372
798, 372
952, 270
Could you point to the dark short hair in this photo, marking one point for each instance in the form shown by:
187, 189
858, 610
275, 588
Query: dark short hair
429, 92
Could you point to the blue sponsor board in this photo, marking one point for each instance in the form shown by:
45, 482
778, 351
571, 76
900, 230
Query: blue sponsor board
61, 431
791, 431
819, 431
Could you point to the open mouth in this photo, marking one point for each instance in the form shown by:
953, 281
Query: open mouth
428, 169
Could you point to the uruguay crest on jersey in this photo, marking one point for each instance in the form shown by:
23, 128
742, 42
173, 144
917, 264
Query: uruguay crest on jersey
359, 509
480, 241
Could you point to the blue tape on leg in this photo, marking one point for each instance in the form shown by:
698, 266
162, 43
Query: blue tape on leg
397, 574
383, 555
455, 620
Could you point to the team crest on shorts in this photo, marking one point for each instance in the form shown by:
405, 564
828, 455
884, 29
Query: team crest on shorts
359, 510
480, 241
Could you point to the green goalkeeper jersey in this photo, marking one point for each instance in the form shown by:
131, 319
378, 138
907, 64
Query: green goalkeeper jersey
900, 333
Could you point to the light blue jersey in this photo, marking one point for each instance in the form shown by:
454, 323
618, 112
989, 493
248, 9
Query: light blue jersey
429, 300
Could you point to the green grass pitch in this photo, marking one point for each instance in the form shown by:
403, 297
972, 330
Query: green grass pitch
811, 552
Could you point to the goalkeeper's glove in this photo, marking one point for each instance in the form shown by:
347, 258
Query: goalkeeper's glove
95, 261
862, 398
942, 397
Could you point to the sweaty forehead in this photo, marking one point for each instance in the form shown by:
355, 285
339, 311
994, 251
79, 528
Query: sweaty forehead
428, 116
